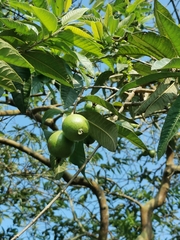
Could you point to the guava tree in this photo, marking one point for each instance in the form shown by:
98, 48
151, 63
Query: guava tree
116, 65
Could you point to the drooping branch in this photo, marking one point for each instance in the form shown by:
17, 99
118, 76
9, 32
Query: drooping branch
156, 202
26, 150
71, 180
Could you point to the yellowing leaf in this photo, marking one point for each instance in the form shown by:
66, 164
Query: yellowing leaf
97, 29
67, 4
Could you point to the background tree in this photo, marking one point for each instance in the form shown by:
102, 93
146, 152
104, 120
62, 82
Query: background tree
117, 64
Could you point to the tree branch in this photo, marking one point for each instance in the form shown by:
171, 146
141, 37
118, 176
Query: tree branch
27, 150
148, 208
96, 189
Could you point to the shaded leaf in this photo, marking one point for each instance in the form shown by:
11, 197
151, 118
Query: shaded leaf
47, 134
40, 3
148, 79
59, 169
107, 105
170, 127
68, 95
102, 78
21, 97
126, 132
57, 7
102, 130
160, 99
78, 156
50, 113
84, 61
50, 66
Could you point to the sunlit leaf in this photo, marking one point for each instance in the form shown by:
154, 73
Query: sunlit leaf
152, 44
67, 5
133, 5
47, 18
84, 43
10, 55
73, 15
167, 26
97, 29
21, 28
109, 12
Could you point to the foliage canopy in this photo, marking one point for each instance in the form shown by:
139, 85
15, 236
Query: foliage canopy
122, 58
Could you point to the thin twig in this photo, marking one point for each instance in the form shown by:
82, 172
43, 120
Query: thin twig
57, 196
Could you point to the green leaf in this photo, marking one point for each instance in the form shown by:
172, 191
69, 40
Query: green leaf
47, 134
112, 24
166, 63
105, 104
97, 29
164, 94
57, 7
21, 97
50, 113
67, 5
133, 6
84, 61
73, 15
102, 130
59, 169
87, 44
8, 76
78, 156
148, 79
126, 132
167, 26
21, 28
170, 127
50, 66
109, 12
40, 3
47, 18
102, 78
12, 56
68, 95
152, 44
